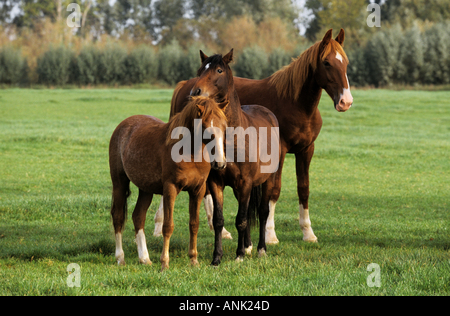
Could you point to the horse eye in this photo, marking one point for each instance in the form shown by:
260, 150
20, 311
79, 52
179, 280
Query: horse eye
219, 71
326, 63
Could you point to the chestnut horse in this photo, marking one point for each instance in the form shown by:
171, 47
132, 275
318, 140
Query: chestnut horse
248, 164
293, 94
141, 151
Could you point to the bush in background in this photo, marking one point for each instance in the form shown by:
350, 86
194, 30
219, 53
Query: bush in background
251, 63
141, 65
53, 67
85, 67
111, 64
13, 67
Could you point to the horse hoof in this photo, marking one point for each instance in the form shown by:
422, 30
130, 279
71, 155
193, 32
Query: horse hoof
239, 259
262, 253
271, 238
145, 261
194, 263
121, 263
312, 239
248, 251
226, 234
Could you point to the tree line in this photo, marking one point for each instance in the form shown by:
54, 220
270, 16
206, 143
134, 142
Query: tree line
150, 41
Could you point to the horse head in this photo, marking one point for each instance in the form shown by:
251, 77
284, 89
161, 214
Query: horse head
331, 71
215, 77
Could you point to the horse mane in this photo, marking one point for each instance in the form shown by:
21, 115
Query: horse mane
289, 80
186, 117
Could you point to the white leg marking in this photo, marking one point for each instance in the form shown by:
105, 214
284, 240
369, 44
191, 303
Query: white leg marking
209, 209
248, 251
271, 237
120, 256
305, 225
159, 219
142, 247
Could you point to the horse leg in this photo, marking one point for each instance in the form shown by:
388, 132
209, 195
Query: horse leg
270, 236
263, 214
216, 190
209, 209
139, 214
121, 191
170, 193
241, 220
159, 219
195, 199
302, 161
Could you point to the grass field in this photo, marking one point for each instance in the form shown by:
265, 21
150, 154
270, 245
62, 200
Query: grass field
380, 190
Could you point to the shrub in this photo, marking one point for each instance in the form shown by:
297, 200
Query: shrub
85, 66
251, 63
111, 64
436, 68
141, 65
13, 67
277, 59
169, 63
411, 56
53, 67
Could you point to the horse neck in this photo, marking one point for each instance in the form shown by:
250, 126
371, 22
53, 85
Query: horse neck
233, 110
308, 100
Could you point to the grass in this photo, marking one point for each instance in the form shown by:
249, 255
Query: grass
379, 194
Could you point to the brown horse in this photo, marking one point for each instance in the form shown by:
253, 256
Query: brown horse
251, 134
293, 94
142, 151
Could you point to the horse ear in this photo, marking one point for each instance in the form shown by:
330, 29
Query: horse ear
203, 56
228, 58
340, 38
326, 39
200, 109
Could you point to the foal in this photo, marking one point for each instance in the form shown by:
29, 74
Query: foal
142, 151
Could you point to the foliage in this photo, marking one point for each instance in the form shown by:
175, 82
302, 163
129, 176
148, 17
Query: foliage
13, 66
252, 63
141, 65
111, 64
169, 58
85, 69
53, 67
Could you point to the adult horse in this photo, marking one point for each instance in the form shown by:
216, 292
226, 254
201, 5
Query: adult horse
293, 94
142, 151
249, 164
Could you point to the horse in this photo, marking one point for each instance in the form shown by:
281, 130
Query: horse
247, 169
143, 150
293, 94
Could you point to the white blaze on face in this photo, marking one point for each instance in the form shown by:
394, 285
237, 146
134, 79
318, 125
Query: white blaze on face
207, 66
346, 94
339, 57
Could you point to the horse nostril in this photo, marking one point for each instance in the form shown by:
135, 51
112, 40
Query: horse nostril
197, 92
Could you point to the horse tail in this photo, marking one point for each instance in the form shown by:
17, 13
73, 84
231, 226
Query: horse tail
253, 206
173, 103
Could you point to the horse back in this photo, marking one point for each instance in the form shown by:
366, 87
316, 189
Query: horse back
137, 148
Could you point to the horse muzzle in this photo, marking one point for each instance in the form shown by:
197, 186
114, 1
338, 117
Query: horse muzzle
219, 165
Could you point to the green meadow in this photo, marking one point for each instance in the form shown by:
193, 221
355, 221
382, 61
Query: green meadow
379, 193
